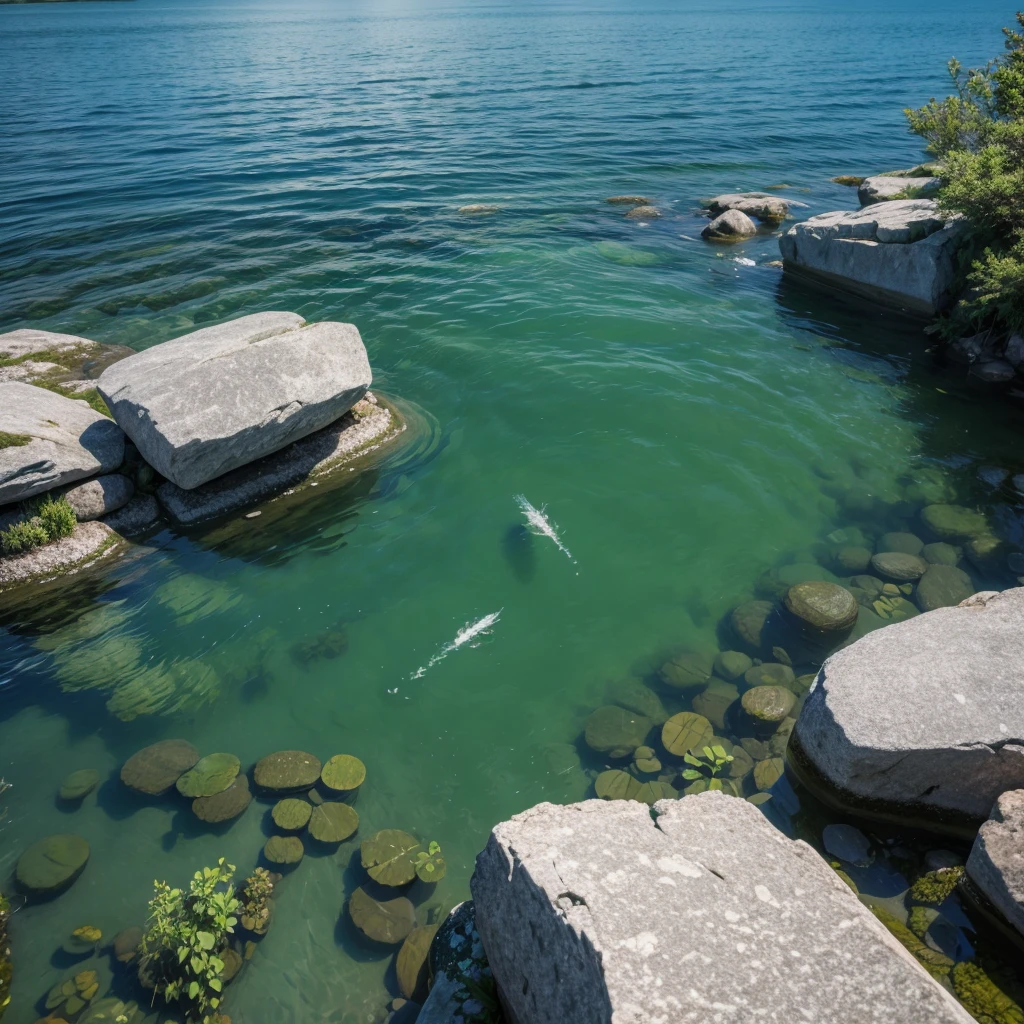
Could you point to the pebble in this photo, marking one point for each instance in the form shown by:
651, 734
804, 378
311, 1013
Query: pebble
252, 515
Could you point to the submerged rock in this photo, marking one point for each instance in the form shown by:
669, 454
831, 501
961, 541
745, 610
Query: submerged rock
52, 864
908, 543
283, 850
685, 732
411, 965
687, 670
209, 402
715, 700
629, 200
78, 785
899, 252
389, 856
768, 705
921, 718
954, 522
56, 440
940, 553
156, 768
343, 773
748, 621
898, 566
287, 771
769, 674
847, 843
996, 864
209, 776
224, 806
822, 607
545, 898
635, 696
643, 213
387, 921
731, 226
761, 205
731, 665
615, 731
943, 586
333, 822
291, 814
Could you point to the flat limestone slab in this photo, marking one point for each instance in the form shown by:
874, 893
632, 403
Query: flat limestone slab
924, 718
67, 441
60, 556
592, 913
204, 404
882, 188
898, 253
367, 426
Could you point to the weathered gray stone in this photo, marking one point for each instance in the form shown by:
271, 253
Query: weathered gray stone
68, 441
883, 188
996, 863
765, 207
730, 226
942, 586
209, 402
993, 371
923, 717
900, 252
138, 515
99, 496
898, 566
594, 913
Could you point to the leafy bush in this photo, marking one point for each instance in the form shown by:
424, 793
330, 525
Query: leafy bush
255, 902
23, 536
978, 133
57, 516
45, 520
186, 933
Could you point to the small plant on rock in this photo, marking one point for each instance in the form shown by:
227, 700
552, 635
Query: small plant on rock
186, 934
44, 521
57, 516
709, 765
255, 908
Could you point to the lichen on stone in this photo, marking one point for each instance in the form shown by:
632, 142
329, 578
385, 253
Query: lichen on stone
982, 998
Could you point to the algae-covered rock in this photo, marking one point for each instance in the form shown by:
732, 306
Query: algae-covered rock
78, 785
774, 583
908, 543
935, 887
333, 822
954, 522
287, 771
82, 941
634, 696
768, 705
685, 732
615, 731
936, 964
821, 606
291, 814
687, 671
210, 775
853, 559
920, 918
714, 701
156, 768
126, 944
190, 597
283, 850
769, 674
389, 856
731, 665
940, 553
411, 966
768, 772
387, 921
224, 806
343, 772
53, 863
748, 621
943, 586
982, 998
898, 566
847, 843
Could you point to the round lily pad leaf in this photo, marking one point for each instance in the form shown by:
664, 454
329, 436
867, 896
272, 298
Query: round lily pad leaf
283, 850
389, 856
616, 784
343, 772
225, 805
287, 771
52, 863
292, 813
430, 864
768, 772
154, 769
210, 775
387, 921
685, 732
333, 822
411, 963
79, 784
651, 792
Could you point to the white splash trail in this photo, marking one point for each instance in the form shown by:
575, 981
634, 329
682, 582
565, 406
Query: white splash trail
470, 631
539, 523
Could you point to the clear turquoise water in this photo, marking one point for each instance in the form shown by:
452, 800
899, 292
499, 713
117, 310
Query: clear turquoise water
166, 166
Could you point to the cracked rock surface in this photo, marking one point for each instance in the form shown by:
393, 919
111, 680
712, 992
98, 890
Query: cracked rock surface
926, 714
996, 863
211, 401
594, 913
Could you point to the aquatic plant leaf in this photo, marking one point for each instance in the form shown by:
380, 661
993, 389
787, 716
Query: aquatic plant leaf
685, 732
389, 856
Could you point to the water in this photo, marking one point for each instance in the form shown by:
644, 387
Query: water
167, 166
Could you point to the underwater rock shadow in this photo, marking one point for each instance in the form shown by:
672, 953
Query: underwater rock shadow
519, 550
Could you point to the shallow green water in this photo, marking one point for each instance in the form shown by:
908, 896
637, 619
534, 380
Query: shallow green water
176, 165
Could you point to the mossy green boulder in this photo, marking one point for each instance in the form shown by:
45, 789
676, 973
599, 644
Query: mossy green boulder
386, 921
389, 856
224, 806
291, 814
748, 621
822, 607
333, 822
768, 705
79, 785
615, 731
53, 863
283, 850
689, 670
156, 768
730, 665
287, 771
209, 776
936, 887
954, 522
635, 696
898, 566
343, 772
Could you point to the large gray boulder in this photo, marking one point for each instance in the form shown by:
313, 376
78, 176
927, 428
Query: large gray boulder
884, 188
595, 913
924, 718
50, 441
209, 402
901, 252
996, 864
730, 226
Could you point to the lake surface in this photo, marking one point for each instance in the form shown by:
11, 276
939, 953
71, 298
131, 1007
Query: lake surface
166, 166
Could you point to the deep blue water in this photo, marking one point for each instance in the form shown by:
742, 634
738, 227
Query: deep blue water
164, 166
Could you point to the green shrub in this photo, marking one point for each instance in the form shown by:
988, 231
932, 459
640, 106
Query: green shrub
57, 517
185, 935
23, 536
979, 135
